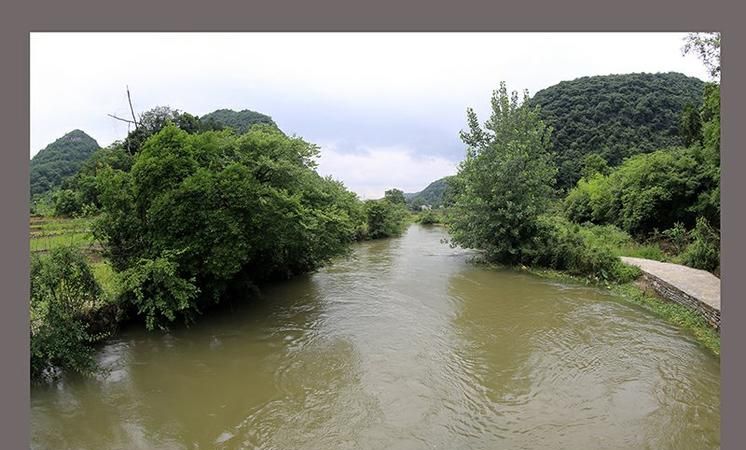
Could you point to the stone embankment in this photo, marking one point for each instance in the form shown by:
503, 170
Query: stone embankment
696, 289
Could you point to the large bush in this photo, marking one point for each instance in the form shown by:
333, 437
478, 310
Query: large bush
63, 288
67, 203
578, 250
201, 213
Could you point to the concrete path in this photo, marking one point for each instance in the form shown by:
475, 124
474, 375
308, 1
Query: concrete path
698, 284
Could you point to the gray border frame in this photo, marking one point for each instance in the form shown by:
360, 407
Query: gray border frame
339, 15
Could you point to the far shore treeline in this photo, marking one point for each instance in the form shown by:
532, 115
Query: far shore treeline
188, 212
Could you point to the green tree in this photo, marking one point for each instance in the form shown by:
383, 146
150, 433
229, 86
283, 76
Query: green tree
384, 218
690, 125
67, 203
505, 181
204, 214
395, 196
594, 164
84, 182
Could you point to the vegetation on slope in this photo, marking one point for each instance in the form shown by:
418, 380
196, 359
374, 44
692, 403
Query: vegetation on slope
670, 193
60, 159
614, 116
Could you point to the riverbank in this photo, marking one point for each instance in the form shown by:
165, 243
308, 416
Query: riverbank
696, 289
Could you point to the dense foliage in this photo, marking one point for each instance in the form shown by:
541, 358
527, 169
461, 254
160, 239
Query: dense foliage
84, 183
648, 192
430, 217
505, 181
395, 196
614, 116
63, 288
74, 191
658, 190
239, 121
503, 192
584, 251
704, 250
153, 120
434, 195
385, 217
58, 160
199, 214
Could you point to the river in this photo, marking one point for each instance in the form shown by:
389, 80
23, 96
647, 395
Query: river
403, 345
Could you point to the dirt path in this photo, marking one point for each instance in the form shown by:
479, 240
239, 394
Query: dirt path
699, 284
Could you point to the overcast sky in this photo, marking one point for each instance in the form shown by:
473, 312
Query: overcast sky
386, 108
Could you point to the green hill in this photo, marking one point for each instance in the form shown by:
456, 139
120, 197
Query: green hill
240, 121
614, 116
59, 160
432, 195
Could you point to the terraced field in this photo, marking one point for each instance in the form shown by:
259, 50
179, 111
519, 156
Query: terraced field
47, 233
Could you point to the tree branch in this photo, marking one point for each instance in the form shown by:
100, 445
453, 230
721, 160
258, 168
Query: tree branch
123, 120
132, 110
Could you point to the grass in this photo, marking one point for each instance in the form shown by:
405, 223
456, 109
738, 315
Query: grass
621, 244
671, 312
46, 243
47, 233
107, 279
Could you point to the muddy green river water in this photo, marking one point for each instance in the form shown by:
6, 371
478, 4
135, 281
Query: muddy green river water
403, 345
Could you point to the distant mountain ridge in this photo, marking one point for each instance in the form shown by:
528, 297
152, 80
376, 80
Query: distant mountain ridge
59, 160
432, 195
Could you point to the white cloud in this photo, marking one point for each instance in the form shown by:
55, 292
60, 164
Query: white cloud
371, 171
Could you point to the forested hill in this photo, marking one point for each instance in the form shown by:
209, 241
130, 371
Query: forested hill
240, 121
614, 116
432, 195
59, 160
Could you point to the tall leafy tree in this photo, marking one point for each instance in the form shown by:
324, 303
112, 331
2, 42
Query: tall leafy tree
395, 196
506, 180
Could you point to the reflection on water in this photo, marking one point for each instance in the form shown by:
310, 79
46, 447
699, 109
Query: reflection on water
403, 345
